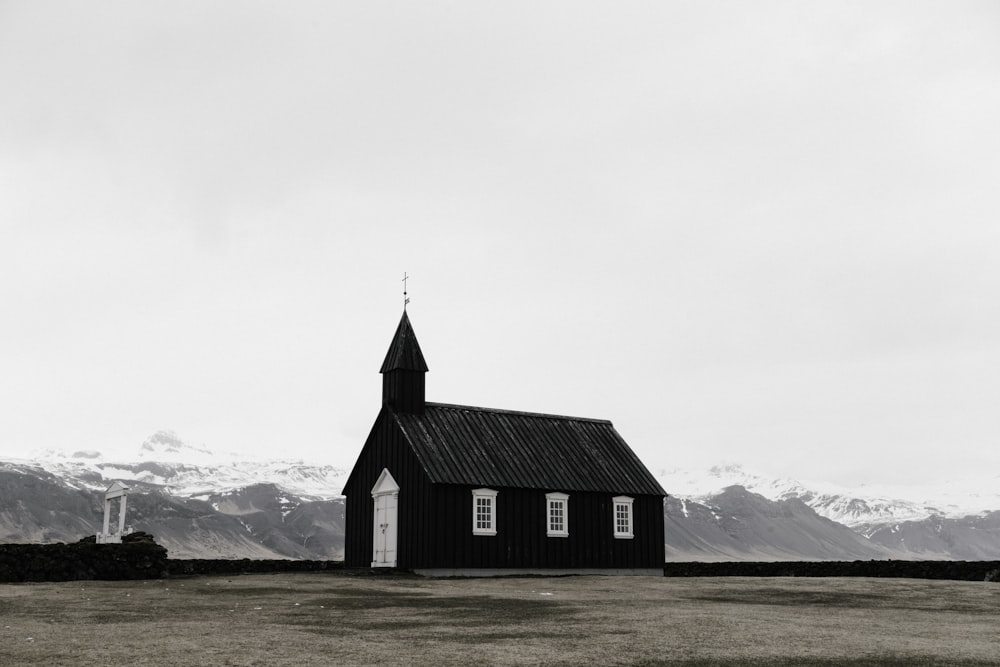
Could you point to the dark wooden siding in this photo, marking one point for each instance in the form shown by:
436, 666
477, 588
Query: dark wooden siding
387, 448
521, 540
404, 390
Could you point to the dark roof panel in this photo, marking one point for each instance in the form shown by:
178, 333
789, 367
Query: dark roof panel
404, 351
458, 444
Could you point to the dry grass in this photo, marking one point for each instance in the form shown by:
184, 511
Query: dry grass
327, 619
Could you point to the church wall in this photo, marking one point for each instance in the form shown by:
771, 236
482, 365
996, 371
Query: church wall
521, 540
386, 448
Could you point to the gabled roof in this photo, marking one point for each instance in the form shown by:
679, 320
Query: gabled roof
116, 490
458, 444
404, 351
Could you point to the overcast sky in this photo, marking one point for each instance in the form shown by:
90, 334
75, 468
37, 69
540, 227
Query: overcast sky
760, 232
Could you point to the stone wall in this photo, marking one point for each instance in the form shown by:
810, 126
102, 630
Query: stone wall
907, 569
246, 566
138, 557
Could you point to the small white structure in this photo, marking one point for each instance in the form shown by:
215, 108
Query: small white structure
116, 490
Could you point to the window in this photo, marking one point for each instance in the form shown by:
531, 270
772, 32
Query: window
557, 514
622, 517
484, 512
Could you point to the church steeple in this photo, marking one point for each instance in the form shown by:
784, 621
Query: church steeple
403, 371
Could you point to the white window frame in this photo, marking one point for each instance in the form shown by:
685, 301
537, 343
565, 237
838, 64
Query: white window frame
626, 503
491, 496
560, 500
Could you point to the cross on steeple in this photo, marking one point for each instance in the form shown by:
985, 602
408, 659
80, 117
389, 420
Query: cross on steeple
406, 299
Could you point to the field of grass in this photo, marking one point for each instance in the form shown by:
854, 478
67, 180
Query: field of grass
335, 619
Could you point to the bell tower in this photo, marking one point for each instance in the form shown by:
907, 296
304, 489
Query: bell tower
403, 371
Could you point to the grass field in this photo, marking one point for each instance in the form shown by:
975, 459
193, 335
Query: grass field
333, 619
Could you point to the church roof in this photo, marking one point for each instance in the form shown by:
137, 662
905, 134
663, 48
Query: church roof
404, 351
459, 444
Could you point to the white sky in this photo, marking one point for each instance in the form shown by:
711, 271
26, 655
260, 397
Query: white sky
755, 232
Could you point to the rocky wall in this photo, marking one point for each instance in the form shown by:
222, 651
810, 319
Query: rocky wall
907, 569
138, 557
247, 566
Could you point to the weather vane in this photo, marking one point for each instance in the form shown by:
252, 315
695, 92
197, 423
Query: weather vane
406, 299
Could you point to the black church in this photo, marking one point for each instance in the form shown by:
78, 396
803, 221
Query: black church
453, 489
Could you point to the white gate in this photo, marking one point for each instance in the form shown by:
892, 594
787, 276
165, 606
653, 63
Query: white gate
385, 495
116, 490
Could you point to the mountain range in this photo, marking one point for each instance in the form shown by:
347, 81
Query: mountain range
201, 505
196, 504
730, 513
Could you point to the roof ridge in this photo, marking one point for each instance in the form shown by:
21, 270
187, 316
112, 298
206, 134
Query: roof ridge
520, 413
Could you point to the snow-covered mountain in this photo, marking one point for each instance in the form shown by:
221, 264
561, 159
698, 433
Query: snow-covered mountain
864, 509
730, 513
736, 524
166, 446
196, 503
973, 537
164, 460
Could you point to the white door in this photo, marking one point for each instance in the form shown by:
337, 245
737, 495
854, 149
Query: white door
385, 530
385, 495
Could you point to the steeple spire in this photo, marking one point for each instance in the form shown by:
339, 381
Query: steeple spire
404, 351
403, 370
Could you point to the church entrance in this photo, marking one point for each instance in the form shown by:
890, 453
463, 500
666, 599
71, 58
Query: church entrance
385, 495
